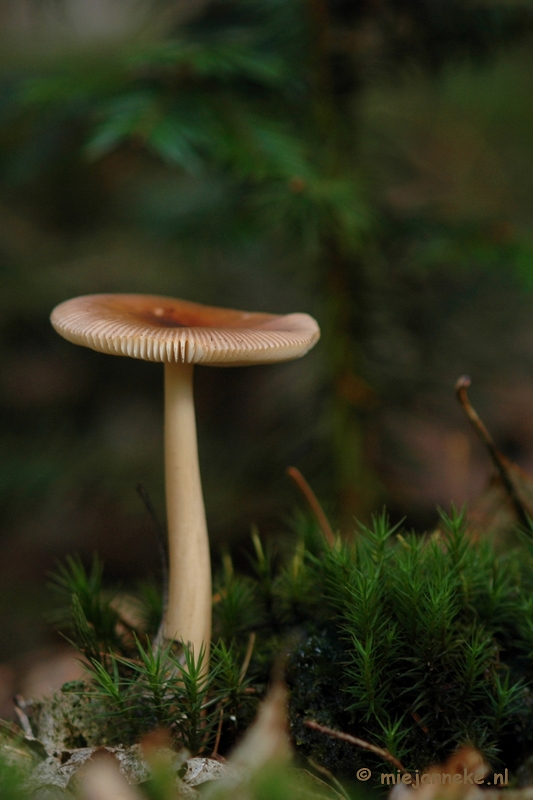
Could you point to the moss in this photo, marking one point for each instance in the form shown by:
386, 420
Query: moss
415, 644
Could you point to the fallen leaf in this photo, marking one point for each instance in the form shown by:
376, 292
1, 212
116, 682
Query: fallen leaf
102, 779
267, 739
429, 784
201, 770
265, 743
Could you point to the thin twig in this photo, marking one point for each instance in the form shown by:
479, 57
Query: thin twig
247, 657
219, 731
315, 506
244, 668
142, 491
327, 774
499, 460
418, 719
346, 737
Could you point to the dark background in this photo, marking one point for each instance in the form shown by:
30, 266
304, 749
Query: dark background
368, 163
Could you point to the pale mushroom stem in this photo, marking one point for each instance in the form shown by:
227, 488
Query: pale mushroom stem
188, 616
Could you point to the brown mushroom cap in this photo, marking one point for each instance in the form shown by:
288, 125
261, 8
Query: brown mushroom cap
165, 329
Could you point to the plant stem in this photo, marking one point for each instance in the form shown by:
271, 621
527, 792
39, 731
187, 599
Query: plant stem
188, 616
346, 737
501, 463
316, 508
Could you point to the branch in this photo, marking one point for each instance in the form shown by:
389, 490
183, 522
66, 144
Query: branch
501, 463
346, 737
315, 506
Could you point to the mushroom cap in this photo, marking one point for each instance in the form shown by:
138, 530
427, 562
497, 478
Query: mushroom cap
165, 329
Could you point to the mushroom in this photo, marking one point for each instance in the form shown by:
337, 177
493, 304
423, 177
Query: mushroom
181, 334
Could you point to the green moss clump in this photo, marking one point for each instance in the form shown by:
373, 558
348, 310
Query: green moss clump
433, 648
415, 644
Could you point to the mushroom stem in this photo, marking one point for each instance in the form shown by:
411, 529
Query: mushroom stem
188, 616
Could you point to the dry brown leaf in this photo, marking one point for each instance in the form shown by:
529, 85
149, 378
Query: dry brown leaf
466, 763
265, 742
267, 739
62, 768
101, 779
201, 770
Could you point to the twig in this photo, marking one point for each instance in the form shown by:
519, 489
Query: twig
142, 491
242, 673
247, 657
324, 771
417, 718
219, 731
315, 506
499, 460
346, 737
